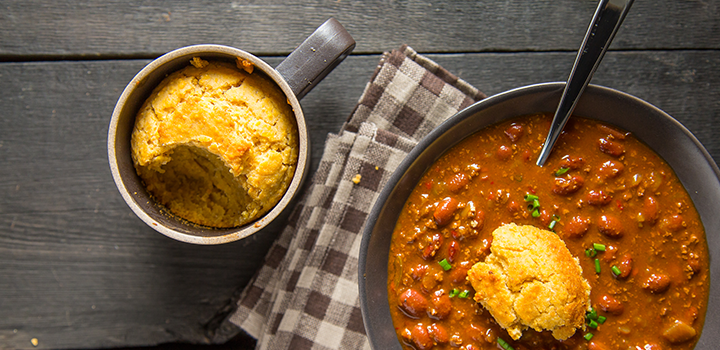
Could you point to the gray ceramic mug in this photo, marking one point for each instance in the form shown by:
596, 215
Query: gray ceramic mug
296, 76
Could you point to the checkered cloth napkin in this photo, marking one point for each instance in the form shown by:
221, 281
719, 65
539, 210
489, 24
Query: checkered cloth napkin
305, 296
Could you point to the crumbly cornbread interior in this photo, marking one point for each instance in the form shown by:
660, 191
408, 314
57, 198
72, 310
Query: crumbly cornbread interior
216, 144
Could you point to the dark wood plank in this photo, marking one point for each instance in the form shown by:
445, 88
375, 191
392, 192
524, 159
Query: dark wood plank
682, 83
79, 270
147, 29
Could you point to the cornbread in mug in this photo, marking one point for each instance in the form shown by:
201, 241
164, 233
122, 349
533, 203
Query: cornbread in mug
216, 144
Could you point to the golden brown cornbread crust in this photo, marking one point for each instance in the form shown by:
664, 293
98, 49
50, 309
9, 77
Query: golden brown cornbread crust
217, 146
530, 279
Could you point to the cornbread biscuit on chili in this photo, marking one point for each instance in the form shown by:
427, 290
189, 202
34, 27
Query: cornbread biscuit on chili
530, 279
215, 144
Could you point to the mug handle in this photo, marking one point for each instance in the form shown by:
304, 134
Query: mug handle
317, 56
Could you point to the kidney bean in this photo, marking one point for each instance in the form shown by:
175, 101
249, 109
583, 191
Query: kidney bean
432, 248
514, 132
421, 337
610, 226
545, 217
610, 305
572, 163
456, 234
479, 219
476, 333
598, 198
418, 272
459, 274
679, 332
441, 305
609, 254
576, 227
412, 302
649, 211
625, 266
565, 186
611, 147
428, 252
610, 131
503, 152
457, 182
444, 211
514, 206
657, 283
610, 169
453, 249
674, 223
439, 333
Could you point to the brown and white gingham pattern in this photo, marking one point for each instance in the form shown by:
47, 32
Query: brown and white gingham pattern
305, 296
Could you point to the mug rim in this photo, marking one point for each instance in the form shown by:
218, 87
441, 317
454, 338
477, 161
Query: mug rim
230, 234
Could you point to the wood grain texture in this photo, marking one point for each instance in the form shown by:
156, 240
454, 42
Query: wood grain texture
79, 270
32, 29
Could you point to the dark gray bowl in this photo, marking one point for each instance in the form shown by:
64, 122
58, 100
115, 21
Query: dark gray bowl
692, 164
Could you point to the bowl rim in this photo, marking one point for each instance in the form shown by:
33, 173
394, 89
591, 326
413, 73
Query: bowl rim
708, 337
205, 235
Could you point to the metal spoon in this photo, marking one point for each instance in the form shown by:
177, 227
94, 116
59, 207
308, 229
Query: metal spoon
605, 23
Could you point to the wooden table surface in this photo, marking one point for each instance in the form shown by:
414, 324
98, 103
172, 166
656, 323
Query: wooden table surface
79, 270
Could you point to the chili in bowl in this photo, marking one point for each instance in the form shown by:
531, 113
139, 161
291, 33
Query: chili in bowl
473, 245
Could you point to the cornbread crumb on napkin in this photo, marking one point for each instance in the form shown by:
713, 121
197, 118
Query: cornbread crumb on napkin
215, 144
530, 279
306, 295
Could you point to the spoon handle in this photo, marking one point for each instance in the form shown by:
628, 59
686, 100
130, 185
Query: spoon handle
605, 23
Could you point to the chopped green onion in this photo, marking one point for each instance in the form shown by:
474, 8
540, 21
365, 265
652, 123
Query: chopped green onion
599, 247
445, 264
561, 171
588, 336
597, 265
592, 314
534, 205
591, 252
531, 197
454, 292
535, 213
615, 270
464, 294
601, 319
552, 225
593, 324
504, 344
